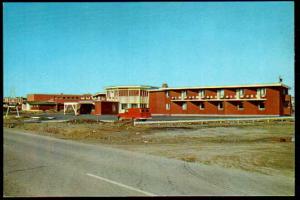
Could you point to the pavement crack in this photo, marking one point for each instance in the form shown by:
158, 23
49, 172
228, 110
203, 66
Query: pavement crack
212, 182
26, 169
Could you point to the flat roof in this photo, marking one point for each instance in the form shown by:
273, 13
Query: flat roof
223, 86
131, 86
99, 93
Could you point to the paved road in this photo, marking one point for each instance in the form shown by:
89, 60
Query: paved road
42, 166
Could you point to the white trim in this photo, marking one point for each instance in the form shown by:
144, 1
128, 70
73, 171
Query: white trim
216, 87
214, 120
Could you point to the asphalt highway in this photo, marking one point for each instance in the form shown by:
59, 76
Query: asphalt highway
37, 165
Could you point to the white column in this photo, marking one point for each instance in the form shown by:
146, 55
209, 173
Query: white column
7, 111
17, 111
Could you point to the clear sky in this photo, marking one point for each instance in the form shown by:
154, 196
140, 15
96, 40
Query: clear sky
83, 47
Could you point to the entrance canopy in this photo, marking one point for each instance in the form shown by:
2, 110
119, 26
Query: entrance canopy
74, 105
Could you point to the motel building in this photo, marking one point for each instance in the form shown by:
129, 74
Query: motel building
55, 102
135, 96
237, 100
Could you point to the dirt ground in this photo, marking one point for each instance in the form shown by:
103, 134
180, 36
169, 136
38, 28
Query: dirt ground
261, 147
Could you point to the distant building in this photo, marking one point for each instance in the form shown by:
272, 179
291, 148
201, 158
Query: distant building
14, 100
52, 101
100, 96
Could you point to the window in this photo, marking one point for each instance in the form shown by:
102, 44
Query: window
134, 105
184, 106
201, 106
143, 105
220, 93
201, 93
261, 106
167, 106
240, 106
261, 92
240, 92
167, 94
220, 106
124, 106
183, 93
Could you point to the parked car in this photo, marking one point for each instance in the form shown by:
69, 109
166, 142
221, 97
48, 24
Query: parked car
135, 114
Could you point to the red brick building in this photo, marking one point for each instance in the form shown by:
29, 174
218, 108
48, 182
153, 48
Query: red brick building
52, 101
259, 99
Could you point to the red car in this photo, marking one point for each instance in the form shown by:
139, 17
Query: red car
135, 114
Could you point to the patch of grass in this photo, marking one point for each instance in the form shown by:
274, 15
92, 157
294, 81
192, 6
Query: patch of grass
189, 158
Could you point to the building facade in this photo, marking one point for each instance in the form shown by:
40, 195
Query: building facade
259, 99
129, 96
52, 101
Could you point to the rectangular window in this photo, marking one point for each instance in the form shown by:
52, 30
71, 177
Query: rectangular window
183, 94
201, 93
167, 106
220, 106
220, 93
240, 92
240, 106
124, 106
134, 105
201, 106
184, 106
261, 106
167, 94
143, 105
261, 92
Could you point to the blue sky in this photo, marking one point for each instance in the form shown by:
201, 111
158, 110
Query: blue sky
83, 47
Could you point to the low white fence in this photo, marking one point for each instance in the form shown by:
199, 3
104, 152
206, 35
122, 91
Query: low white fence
201, 121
